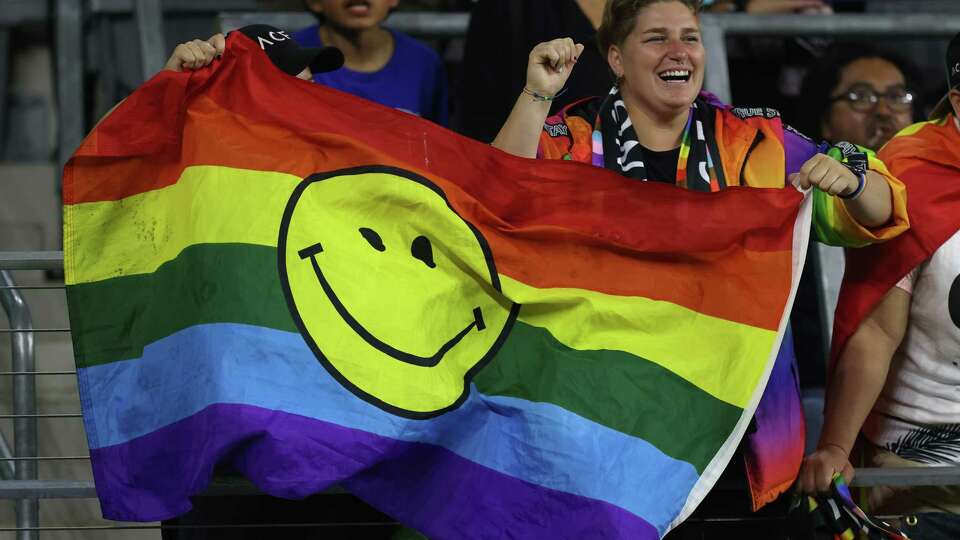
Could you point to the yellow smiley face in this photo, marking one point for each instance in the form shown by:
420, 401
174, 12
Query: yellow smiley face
396, 294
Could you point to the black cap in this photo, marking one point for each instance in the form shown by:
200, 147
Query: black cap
289, 56
943, 107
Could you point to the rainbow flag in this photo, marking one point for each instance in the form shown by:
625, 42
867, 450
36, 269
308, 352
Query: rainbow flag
316, 290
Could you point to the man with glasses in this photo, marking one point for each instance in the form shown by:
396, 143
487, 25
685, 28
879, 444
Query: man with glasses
858, 94
895, 382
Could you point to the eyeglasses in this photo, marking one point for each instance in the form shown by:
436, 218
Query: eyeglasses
863, 98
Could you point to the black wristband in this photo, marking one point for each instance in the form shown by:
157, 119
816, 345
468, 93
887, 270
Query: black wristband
741, 5
852, 157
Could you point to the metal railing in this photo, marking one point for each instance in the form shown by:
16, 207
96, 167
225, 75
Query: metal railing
19, 480
421, 24
24, 405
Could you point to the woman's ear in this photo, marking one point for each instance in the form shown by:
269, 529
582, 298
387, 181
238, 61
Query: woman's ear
394, 4
315, 6
615, 61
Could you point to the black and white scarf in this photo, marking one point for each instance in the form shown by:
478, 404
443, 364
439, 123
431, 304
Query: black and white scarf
623, 153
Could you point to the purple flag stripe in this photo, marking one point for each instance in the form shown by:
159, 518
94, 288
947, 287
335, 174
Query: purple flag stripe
293, 456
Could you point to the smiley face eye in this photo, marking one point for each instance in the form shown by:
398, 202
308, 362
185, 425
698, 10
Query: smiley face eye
422, 250
373, 239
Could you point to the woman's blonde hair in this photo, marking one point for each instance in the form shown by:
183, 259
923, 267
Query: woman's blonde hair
620, 16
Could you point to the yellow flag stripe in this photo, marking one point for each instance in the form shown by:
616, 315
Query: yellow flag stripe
210, 204
723, 358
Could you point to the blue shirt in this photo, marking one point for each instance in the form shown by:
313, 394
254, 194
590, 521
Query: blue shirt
413, 80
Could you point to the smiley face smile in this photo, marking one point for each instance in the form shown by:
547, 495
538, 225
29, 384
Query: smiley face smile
409, 358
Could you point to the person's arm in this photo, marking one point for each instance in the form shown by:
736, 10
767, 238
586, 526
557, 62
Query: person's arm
854, 386
872, 208
186, 56
548, 69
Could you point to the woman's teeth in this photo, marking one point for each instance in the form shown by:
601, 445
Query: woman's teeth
675, 75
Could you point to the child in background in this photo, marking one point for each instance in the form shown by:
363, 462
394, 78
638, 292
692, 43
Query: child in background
381, 65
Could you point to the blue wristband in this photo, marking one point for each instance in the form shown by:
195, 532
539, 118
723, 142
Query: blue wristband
857, 192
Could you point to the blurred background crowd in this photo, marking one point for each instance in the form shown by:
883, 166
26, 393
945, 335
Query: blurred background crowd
483, 70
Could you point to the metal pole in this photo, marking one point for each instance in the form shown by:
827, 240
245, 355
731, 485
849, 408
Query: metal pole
832, 263
24, 402
717, 77
149, 15
31, 260
7, 471
4, 63
844, 25
448, 25
69, 51
424, 23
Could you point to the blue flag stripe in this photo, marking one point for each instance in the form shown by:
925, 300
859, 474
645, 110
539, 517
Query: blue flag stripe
541, 443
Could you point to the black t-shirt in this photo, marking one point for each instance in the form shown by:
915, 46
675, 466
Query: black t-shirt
499, 40
661, 166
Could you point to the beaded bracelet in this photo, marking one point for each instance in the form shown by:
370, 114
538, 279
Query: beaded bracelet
537, 96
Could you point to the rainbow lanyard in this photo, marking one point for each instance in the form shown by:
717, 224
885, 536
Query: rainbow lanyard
709, 168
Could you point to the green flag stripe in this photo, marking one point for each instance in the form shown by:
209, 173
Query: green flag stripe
614, 388
114, 319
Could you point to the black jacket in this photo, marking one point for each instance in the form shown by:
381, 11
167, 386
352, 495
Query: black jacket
499, 40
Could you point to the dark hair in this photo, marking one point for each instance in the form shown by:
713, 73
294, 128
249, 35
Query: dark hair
620, 16
823, 77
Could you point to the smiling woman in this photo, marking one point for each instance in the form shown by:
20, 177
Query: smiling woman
657, 124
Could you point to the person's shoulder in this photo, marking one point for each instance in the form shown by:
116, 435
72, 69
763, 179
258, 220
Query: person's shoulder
707, 99
407, 45
924, 141
307, 37
747, 113
766, 119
